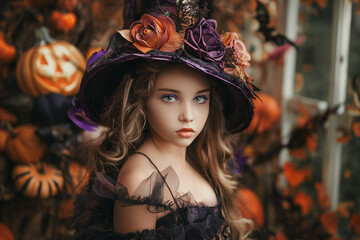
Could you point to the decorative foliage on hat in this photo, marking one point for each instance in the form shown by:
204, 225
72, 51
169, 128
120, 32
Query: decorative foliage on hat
200, 41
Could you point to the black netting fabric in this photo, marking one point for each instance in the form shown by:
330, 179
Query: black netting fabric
184, 218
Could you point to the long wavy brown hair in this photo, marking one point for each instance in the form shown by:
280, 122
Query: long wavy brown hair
127, 129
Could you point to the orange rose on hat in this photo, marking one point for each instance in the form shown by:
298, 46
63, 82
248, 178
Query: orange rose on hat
150, 33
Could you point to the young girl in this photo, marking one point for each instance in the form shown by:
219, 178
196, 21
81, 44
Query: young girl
169, 104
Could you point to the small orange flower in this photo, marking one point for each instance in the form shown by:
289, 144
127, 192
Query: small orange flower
304, 201
330, 222
295, 176
150, 33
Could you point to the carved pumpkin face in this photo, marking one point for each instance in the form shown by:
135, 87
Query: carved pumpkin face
51, 68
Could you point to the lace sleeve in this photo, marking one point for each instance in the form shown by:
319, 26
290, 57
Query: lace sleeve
153, 191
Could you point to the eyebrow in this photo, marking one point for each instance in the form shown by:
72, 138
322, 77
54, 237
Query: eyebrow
176, 91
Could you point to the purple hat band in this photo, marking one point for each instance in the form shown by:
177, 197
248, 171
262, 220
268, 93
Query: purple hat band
88, 104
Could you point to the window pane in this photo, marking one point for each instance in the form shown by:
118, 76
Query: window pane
313, 57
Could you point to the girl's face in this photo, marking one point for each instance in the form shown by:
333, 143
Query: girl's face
178, 107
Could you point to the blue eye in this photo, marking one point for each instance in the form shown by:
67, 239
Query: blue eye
169, 98
200, 99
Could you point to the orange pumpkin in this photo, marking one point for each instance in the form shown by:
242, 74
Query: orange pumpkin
4, 136
66, 209
55, 67
250, 206
7, 52
63, 22
37, 180
6, 116
5, 232
25, 147
79, 176
267, 113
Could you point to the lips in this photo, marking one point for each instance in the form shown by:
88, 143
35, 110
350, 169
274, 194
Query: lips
185, 132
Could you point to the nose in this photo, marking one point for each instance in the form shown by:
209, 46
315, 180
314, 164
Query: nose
186, 114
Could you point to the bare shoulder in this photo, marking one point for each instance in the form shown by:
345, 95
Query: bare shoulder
136, 169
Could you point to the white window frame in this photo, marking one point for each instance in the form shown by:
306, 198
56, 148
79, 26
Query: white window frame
342, 12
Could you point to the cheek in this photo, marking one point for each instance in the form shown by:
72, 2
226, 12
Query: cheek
157, 115
202, 115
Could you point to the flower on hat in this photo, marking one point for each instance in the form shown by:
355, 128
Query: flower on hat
203, 41
241, 55
150, 33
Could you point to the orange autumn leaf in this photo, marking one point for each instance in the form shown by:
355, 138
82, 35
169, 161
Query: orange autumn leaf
344, 208
347, 174
312, 142
330, 221
355, 223
304, 201
321, 3
299, 153
344, 137
295, 176
304, 116
323, 198
281, 236
356, 128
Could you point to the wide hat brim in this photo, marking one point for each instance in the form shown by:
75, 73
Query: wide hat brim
105, 70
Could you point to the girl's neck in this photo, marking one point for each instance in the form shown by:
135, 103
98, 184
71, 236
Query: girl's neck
173, 154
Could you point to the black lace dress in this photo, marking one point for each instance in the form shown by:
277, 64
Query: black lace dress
183, 217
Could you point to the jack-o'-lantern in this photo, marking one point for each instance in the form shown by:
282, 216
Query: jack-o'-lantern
25, 146
51, 67
38, 179
250, 206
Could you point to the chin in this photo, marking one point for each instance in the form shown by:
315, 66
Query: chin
184, 142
